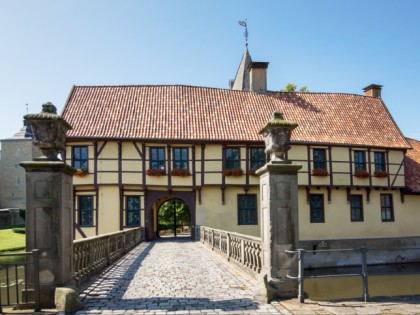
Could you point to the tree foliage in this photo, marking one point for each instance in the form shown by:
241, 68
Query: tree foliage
290, 87
166, 213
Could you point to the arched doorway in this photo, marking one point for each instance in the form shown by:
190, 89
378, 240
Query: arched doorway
174, 219
154, 199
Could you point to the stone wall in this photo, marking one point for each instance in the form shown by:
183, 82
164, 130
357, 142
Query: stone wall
11, 217
12, 176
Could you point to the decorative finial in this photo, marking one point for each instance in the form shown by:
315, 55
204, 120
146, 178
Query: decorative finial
243, 23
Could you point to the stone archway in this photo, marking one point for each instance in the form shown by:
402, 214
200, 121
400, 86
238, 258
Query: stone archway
155, 198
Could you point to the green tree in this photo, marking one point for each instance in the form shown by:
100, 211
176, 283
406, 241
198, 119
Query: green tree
166, 214
290, 87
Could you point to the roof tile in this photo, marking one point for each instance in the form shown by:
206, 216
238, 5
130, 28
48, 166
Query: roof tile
210, 114
412, 167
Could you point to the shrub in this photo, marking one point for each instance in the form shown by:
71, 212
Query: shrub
22, 213
19, 230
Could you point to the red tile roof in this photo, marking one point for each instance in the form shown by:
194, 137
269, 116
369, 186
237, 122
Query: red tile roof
412, 167
211, 114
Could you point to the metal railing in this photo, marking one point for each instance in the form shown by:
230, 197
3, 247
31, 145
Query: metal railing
363, 268
244, 249
14, 280
95, 253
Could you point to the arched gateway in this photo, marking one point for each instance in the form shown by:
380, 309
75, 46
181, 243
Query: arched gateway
155, 199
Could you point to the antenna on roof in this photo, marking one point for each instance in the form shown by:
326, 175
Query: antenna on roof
243, 23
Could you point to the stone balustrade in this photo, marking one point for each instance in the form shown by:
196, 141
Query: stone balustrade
95, 253
240, 248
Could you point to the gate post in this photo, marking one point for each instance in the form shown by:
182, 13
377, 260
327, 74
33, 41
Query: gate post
279, 212
49, 204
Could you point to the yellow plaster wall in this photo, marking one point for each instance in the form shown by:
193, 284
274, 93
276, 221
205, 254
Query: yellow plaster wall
337, 216
109, 209
132, 178
213, 213
129, 151
131, 166
182, 181
108, 178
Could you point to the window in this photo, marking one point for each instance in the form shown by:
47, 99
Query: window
80, 157
86, 210
380, 165
180, 158
233, 158
387, 209
320, 159
356, 208
132, 204
359, 161
247, 209
157, 158
317, 208
257, 158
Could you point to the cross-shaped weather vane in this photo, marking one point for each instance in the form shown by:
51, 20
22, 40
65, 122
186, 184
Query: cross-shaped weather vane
243, 23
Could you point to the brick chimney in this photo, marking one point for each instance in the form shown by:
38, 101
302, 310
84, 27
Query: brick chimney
258, 77
373, 90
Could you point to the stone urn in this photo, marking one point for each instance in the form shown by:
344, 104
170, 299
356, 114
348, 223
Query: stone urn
277, 134
49, 131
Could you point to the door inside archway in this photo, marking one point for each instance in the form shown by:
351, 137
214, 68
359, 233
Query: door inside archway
174, 219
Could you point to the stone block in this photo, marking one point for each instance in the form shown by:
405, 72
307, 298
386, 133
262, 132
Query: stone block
67, 300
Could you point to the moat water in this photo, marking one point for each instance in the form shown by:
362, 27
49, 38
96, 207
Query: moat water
383, 280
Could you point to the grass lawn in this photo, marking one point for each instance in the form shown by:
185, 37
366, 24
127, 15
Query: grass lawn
10, 241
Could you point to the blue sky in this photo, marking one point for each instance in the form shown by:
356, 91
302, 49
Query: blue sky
329, 46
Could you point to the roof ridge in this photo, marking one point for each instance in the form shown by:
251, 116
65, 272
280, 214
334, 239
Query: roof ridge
310, 92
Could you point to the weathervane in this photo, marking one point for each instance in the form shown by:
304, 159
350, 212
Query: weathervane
243, 23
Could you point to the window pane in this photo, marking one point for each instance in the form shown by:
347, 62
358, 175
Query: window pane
180, 159
380, 161
80, 157
85, 210
317, 208
232, 158
320, 160
247, 209
356, 208
133, 210
257, 158
387, 208
157, 158
359, 160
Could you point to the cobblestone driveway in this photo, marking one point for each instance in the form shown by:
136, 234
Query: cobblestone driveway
173, 276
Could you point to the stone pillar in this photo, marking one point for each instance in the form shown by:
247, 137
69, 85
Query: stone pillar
279, 212
49, 217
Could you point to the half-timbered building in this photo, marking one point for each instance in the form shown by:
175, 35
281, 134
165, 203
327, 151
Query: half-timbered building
142, 145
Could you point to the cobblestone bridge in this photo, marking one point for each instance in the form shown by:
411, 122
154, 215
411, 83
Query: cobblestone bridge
173, 276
